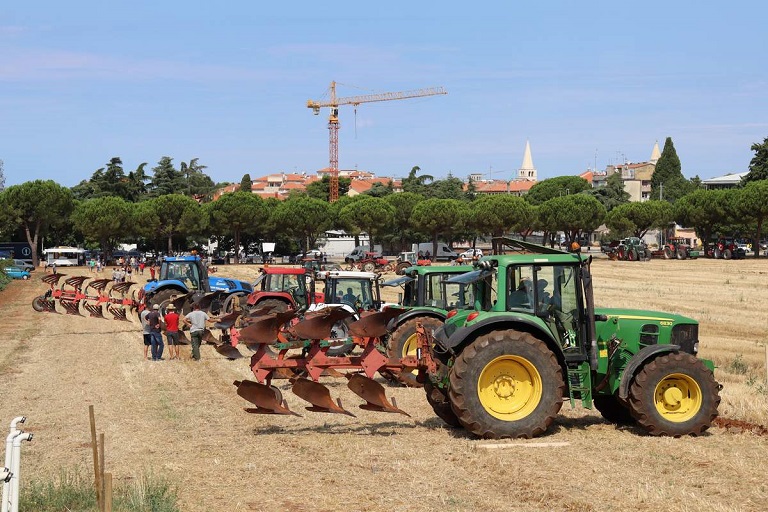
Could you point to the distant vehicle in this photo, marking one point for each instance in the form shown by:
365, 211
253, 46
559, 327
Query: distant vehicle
443, 251
471, 254
361, 251
16, 273
63, 256
24, 265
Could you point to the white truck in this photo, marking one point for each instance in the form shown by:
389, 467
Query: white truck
443, 251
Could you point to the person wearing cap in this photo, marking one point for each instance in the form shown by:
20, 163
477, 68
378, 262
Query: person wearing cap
155, 324
171, 319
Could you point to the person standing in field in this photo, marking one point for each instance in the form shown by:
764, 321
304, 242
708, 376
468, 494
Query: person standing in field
172, 331
146, 331
196, 321
156, 332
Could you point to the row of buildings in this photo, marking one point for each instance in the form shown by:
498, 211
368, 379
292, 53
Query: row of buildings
636, 178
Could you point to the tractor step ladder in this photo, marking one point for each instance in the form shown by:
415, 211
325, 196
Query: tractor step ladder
580, 384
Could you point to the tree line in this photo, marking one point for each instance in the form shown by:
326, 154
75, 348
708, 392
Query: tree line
172, 210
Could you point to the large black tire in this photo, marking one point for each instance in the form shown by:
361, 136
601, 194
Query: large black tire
667, 253
402, 341
228, 305
674, 395
717, 254
37, 303
277, 305
162, 296
727, 254
369, 266
441, 404
506, 384
632, 254
613, 410
400, 268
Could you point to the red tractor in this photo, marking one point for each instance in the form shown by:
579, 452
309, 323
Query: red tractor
676, 247
371, 263
283, 288
726, 248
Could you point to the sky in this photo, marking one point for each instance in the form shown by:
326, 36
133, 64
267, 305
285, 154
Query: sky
589, 84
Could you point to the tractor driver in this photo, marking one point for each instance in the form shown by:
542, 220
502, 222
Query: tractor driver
349, 297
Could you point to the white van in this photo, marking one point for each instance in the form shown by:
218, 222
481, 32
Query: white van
359, 252
443, 251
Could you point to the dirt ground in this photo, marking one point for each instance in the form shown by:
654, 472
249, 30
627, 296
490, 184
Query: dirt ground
183, 420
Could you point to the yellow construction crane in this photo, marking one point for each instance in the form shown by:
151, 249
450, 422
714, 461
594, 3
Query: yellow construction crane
333, 120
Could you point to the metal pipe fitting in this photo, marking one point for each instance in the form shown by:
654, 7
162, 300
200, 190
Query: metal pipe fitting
16, 469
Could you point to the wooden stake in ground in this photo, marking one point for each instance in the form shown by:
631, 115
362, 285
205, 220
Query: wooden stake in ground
96, 471
766, 364
102, 503
107, 492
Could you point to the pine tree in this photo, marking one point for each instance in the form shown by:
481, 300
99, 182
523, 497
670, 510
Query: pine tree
166, 179
668, 181
246, 183
758, 167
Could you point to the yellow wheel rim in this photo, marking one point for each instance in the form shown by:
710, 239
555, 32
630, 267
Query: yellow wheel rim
410, 345
509, 388
677, 397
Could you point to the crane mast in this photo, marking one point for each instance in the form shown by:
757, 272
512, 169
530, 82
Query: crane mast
333, 121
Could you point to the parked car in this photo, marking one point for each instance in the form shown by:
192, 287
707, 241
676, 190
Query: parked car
471, 254
24, 265
16, 273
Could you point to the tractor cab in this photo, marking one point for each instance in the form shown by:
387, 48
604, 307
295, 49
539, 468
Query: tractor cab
357, 289
294, 287
186, 269
427, 287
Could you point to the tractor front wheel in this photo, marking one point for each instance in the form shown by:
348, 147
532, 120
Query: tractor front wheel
231, 301
369, 266
400, 268
613, 410
674, 395
506, 384
403, 342
727, 254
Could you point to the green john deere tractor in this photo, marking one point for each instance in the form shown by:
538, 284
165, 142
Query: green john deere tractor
537, 338
428, 300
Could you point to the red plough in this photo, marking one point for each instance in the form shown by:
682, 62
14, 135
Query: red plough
93, 297
272, 332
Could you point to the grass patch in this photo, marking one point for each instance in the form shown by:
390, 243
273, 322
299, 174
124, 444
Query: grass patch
737, 366
73, 491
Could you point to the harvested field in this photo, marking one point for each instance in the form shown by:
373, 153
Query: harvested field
183, 420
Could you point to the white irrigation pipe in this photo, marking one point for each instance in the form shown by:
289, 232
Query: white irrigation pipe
16, 469
14, 433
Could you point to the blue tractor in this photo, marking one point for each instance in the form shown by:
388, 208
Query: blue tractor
184, 280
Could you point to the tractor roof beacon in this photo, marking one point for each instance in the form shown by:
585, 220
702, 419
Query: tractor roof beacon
537, 338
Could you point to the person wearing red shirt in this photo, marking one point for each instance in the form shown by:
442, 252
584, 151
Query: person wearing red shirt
172, 331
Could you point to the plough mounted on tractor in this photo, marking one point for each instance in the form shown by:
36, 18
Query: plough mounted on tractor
503, 368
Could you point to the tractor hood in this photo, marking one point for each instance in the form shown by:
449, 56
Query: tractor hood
641, 315
228, 285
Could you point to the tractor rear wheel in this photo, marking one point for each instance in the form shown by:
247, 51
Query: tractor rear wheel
674, 395
506, 384
613, 410
667, 253
162, 296
632, 254
369, 266
279, 306
400, 268
717, 254
727, 254
441, 404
